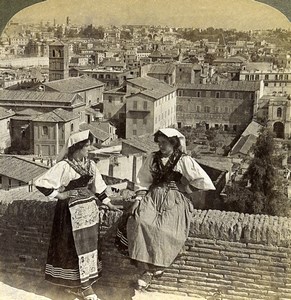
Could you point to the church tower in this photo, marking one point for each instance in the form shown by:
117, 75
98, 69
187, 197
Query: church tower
58, 61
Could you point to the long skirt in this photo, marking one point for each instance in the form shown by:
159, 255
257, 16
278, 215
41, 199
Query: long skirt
73, 257
157, 231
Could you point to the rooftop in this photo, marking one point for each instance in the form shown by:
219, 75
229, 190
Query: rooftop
74, 84
144, 143
19, 168
19, 95
57, 115
248, 86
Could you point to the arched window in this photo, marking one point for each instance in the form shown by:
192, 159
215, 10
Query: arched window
54, 53
279, 112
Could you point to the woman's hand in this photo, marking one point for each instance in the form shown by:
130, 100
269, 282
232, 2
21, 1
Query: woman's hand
67, 194
134, 206
113, 207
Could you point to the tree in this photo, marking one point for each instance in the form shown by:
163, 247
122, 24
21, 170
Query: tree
265, 192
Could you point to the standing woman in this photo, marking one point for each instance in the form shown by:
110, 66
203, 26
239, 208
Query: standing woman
159, 220
73, 257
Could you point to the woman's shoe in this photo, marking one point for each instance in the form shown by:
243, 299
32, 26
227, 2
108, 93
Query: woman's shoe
145, 280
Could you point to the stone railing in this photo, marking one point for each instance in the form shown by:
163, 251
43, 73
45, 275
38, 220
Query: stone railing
237, 256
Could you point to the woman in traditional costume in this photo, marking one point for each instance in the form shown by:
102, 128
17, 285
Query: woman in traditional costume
159, 220
73, 256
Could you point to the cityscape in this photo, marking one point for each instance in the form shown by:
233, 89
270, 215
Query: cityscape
227, 90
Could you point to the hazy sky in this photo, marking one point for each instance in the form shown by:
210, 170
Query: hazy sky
240, 14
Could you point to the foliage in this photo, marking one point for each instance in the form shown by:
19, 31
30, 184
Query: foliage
91, 32
265, 193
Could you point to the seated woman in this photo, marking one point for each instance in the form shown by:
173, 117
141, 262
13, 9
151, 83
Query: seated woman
159, 220
73, 258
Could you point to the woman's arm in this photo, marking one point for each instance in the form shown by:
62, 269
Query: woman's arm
193, 174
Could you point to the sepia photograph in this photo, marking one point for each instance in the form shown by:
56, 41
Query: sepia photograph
144, 150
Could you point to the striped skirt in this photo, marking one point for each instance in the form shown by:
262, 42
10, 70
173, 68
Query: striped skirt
73, 255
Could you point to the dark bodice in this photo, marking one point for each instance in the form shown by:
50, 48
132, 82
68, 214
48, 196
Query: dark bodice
165, 173
78, 183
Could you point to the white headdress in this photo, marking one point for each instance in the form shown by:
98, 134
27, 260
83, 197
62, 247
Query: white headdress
72, 140
170, 132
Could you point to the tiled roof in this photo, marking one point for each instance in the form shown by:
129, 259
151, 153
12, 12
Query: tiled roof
4, 113
253, 128
248, 86
35, 96
143, 143
244, 144
97, 132
21, 193
162, 69
74, 84
152, 87
57, 115
19, 168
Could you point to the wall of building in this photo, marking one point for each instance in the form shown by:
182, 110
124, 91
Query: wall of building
229, 113
232, 255
5, 141
115, 166
24, 62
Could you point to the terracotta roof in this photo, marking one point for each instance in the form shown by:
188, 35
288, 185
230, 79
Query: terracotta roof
74, 84
162, 69
4, 113
249, 86
19, 168
35, 96
244, 144
144, 144
21, 193
152, 87
57, 115
97, 132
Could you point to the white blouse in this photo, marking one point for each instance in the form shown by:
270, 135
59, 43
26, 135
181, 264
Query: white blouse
62, 173
191, 171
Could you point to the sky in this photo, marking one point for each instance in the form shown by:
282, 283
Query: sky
238, 14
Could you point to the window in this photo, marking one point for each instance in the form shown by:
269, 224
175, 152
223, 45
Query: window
109, 115
8, 124
217, 95
121, 99
279, 112
134, 132
225, 127
236, 95
134, 121
144, 121
207, 109
198, 94
198, 108
110, 99
267, 77
257, 77
286, 77
134, 104
9, 183
107, 76
101, 76
226, 109
216, 109
44, 130
145, 105
72, 127
0, 179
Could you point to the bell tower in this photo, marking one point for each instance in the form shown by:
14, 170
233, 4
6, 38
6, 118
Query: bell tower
58, 61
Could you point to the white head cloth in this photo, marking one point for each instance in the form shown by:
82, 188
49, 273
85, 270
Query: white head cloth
72, 140
170, 132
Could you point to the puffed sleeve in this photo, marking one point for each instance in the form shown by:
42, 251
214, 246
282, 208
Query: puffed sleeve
144, 176
194, 174
57, 176
99, 186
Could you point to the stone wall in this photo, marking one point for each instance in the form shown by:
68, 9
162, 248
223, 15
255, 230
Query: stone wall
238, 256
